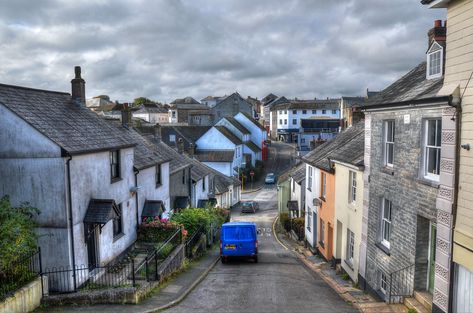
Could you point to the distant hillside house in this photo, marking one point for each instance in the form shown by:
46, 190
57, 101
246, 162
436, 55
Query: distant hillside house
152, 113
190, 111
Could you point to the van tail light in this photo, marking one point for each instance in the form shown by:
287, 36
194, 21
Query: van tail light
256, 243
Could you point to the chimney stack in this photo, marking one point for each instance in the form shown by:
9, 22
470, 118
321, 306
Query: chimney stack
180, 145
438, 33
191, 150
78, 88
157, 132
126, 115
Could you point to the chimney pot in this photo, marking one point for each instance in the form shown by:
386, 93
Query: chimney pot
180, 145
438, 23
78, 88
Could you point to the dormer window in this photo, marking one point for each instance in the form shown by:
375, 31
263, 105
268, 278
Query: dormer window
434, 61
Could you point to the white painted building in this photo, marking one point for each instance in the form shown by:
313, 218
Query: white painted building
152, 113
258, 133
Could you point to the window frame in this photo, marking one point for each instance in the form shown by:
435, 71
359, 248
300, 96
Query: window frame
352, 187
304, 111
309, 178
115, 163
435, 50
350, 256
294, 121
334, 111
322, 233
285, 121
203, 183
184, 176
314, 111
324, 111
383, 282
280, 121
427, 148
309, 219
323, 185
159, 175
387, 143
386, 221
294, 111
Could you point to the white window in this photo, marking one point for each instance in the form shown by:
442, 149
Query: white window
285, 121
352, 190
383, 283
314, 111
172, 138
309, 179
388, 143
294, 111
294, 121
324, 111
386, 211
434, 61
334, 111
280, 122
285, 111
324, 185
350, 246
173, 114
432, 148
304, 111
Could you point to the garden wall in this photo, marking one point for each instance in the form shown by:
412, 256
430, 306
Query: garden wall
25, 299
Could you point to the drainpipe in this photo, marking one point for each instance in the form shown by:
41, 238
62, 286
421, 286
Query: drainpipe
71, 222
136, 171
458, 111
190, 184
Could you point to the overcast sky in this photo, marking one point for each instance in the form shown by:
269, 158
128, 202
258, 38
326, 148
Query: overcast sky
167, 49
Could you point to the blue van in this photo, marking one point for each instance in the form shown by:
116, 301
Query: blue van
238, 239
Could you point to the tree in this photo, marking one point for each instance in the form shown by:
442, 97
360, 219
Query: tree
141, 100
17, 236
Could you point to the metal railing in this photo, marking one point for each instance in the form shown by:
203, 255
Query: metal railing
149, 269
401, 284
13, 276
193, 241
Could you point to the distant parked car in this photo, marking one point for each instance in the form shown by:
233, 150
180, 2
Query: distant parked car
249, 207
270, 178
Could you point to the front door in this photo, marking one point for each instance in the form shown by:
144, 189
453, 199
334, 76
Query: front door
433, 240
330, 242
91, 240
314, 228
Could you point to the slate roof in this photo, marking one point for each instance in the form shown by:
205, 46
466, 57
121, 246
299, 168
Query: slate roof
328, 104
198, 170
189, 134
186, 100
269, 98
412, 87
352, 138
100, 211
298, 173
151, 108
228, 134
252, 120
215, 155
74, 128
153, 208
211, 98
253, 147
237, 125
292, 205
178, 161
181, 202
221, 181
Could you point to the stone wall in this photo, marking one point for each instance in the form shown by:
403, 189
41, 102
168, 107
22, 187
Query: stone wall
411, 195
25, 299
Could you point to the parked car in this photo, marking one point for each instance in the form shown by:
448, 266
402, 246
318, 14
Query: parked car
270, 178
249, 207
238, 239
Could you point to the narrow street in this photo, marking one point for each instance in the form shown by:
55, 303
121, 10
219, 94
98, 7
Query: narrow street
279, 282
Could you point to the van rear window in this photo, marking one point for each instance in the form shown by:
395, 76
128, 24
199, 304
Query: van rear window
238, 233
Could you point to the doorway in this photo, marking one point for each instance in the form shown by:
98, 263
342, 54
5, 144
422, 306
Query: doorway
92, 245
330, 242
314, 228
432, 248
338, 250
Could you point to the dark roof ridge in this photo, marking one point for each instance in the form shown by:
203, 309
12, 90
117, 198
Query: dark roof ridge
35, 89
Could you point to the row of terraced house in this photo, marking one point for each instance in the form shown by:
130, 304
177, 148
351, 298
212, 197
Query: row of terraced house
388, 200
95, 178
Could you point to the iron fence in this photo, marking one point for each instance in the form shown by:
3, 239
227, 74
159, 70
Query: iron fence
149, 269
401, 284
193, 241
14, 275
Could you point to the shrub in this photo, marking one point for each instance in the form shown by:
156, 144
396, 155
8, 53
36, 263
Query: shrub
156, 230
298, 223
345, 276
194, 218
165, 250
285, 221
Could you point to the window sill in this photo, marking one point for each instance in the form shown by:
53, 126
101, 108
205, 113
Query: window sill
387, 170
383, 248
428, 182
117, 237
114, 180
349, 264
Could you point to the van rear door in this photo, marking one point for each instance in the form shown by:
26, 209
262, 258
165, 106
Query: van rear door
239, 240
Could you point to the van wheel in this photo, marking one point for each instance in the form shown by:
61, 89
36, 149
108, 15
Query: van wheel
255, 258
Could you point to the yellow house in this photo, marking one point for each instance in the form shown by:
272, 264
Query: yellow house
349, 168
455, 202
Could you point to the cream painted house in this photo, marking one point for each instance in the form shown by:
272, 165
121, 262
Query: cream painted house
349, 203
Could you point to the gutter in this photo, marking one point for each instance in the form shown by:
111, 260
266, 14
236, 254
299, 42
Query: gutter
136, 171
71, 222
410, 103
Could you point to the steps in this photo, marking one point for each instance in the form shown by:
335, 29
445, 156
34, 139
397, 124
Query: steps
421, 302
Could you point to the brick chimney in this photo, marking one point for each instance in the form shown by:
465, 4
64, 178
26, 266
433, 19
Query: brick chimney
180, 145
126, 115
78, 88
157, 133
438, 33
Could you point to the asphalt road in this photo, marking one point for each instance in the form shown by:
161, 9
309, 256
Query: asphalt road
279, 282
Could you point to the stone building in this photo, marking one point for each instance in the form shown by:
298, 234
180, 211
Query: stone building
230, 106
404, 144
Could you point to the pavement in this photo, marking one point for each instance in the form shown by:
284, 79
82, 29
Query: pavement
363, 301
